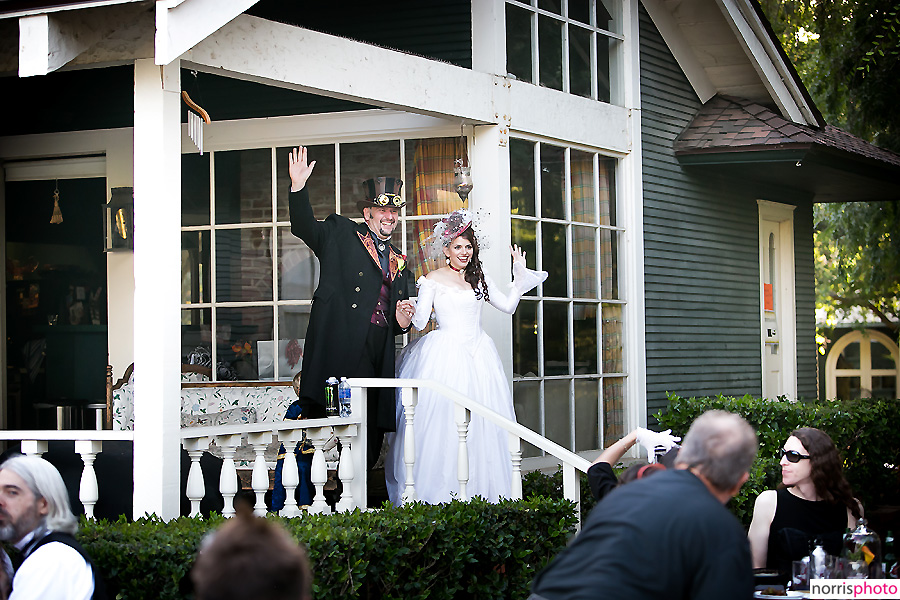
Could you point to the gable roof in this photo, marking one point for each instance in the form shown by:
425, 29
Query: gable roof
729, 130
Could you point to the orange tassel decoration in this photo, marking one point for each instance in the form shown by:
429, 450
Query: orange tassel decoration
56, 217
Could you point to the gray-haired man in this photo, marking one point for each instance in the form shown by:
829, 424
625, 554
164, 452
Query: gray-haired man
668, 536
35, 517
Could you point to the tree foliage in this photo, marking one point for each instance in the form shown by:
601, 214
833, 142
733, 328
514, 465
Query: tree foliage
847, 52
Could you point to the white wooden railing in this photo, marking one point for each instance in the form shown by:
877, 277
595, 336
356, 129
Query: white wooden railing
351, 468
88, 443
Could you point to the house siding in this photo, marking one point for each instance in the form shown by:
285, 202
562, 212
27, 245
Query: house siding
701, 272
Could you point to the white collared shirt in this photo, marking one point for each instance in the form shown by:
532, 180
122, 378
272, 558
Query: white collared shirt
54, 571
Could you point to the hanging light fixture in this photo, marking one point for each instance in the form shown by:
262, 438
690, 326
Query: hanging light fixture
56, 217
462, 172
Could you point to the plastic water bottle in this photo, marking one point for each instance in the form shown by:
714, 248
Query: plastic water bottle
331, 401
344, 397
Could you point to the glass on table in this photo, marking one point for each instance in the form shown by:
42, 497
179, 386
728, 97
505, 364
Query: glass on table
800, 575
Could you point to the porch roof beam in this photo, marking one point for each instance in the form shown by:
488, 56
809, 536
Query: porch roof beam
295, 58
48, 42
181, 24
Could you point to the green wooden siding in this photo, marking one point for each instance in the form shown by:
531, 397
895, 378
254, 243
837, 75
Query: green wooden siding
701, 271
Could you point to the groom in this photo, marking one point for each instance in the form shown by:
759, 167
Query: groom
361, 301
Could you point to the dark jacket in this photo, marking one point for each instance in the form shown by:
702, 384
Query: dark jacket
349, 283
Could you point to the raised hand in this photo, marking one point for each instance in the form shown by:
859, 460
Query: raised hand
298, 168
518, 254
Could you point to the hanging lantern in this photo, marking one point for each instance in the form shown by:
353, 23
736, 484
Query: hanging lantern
118, 220
462, 172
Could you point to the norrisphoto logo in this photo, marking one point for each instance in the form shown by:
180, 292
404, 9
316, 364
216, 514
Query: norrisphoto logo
853, 588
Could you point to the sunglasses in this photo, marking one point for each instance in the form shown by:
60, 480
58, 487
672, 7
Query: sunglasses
792, 455
389, 199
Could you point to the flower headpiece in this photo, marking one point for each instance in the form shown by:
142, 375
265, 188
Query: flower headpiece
454, 225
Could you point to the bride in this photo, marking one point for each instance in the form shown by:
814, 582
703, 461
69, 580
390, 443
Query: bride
462, 356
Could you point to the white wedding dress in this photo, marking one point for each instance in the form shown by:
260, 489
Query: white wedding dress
462, 356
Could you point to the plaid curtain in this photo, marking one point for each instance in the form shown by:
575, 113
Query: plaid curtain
433, 193
584, 261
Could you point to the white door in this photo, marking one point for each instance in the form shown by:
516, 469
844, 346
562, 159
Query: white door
776, 301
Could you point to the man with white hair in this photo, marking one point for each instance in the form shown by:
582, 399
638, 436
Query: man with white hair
668, 537
36, 518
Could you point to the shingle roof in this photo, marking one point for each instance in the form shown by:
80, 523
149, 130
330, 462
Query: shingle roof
729, 124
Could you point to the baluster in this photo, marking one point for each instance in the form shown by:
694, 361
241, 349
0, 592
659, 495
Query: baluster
228, 476
196, 488
410, 400
462, 457
515, 454
318, 470
260, 478
346, 434
88, 492
34, 447
290, 472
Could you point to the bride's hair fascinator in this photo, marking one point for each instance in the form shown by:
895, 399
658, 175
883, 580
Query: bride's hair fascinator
454, 225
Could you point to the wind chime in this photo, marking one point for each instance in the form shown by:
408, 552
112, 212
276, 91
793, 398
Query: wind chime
196, 117
462, 172
56, 217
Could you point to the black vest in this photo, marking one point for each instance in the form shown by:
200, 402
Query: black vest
68, 540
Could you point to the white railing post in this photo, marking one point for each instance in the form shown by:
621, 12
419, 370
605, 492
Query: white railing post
228, 476
195, 489
346, 473
462, 456
360, 483
410, 398
290, 471
34, 447
319, 471
88, 492
572, 488
515, 454
259, 440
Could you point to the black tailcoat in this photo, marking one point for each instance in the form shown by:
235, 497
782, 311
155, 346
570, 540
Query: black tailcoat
350, 280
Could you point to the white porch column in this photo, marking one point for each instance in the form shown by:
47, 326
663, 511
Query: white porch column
157, 266
489, 157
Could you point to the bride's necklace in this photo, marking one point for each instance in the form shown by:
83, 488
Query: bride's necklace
454, 268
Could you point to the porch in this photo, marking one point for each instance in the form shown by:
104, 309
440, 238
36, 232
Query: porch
350, 431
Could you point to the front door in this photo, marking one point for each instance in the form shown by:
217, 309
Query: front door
777, 307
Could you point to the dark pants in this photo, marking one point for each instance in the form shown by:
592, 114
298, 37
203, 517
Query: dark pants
370, 365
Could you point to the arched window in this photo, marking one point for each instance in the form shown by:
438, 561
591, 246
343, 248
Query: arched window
862, 364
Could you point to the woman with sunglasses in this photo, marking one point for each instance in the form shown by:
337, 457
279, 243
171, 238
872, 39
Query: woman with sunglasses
814, 501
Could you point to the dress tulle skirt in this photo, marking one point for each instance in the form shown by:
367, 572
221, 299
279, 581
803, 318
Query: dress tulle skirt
473, 369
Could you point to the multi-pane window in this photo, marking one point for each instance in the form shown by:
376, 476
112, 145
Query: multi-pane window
568, 371
567, 45
246, 280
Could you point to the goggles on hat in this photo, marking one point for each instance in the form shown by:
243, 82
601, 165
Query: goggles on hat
792, 455
388, 200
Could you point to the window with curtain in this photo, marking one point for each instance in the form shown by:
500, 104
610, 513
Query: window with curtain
247, 282
568, 45
568, 373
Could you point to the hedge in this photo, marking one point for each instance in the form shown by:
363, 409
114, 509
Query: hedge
458, 550
866, 433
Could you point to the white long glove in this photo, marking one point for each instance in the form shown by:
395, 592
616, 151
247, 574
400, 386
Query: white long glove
651, 440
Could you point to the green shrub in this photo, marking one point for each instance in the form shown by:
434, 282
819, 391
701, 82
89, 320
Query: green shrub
865, 432
536, 484
458, 550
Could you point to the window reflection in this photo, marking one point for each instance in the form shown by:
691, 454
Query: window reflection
195, 271
195, 189
585, 342
579, 61
525, 340
243, 186
518, 43
521, 177
613, 409
555, 259
556, 410
243, 264
556, 338
553, 182
298, 267
612, 339
550, 44
239, 332
364, 160
527, 401
587, 415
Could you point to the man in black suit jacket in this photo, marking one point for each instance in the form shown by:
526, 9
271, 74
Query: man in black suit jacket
361, 301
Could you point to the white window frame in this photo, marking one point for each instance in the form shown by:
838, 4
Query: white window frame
570, 300
865, 372
616, 92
